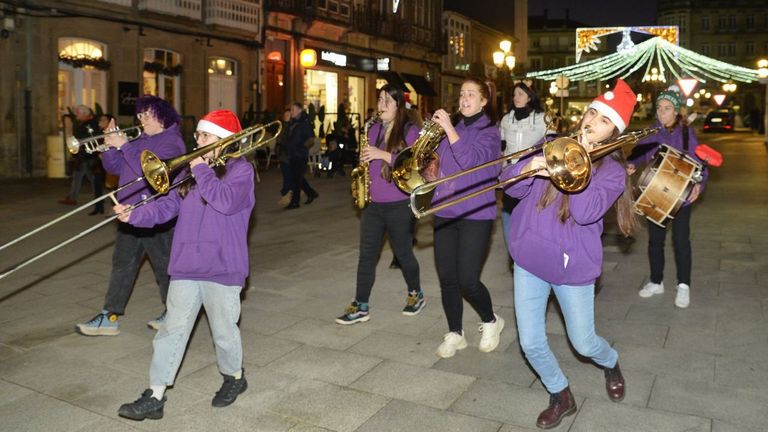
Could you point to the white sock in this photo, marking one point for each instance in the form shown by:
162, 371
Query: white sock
158, 391
238, 375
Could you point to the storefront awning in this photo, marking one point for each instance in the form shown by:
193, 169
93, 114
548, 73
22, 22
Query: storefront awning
420, 84
395, 79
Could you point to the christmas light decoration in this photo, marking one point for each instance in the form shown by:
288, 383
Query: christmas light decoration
668, 58
587, 38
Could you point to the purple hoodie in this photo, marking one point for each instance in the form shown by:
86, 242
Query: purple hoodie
383, 191
478, 143
569, 253
211, 240
646, 148
126, 162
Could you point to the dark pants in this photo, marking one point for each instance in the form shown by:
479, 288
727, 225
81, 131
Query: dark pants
99, 177
461, 246
299, 183
395, 218
130, 246
681, 241
285, 169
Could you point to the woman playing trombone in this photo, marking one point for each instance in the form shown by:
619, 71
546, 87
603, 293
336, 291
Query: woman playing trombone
208, 267
554, 239
161, 136
462, 233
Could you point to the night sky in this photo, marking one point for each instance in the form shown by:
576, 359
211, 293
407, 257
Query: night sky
598, 12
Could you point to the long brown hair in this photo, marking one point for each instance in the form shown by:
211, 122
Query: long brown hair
626, 217
395, 141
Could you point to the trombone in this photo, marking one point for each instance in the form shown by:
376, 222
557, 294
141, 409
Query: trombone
92, 144
568, 163
160, 169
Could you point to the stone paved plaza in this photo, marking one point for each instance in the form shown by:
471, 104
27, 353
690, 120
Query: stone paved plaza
702, 369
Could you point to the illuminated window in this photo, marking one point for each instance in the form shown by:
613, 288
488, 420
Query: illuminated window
162, 75
82, 77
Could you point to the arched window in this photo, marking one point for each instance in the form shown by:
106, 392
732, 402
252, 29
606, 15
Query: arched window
162, 75
82, 77
222, 84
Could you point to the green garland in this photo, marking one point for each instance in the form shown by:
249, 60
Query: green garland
79, 62
159, 68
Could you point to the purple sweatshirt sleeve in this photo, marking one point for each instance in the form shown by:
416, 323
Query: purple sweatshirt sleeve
520, 188
693, 142
470, 151
113, 160
607, 184
229, 194
156, 212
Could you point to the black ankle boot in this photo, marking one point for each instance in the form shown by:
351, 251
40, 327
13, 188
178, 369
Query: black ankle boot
144, 407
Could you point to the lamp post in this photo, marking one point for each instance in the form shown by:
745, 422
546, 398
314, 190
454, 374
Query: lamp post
504, 59
762, 72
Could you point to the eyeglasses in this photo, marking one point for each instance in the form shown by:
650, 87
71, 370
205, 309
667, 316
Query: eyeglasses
198, 135
142, 115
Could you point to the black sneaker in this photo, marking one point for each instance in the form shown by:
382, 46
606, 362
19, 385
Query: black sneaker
353, 315
229, 391
144, 407
414, 303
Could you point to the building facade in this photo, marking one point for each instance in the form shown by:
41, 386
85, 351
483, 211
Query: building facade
198, 54
471, 45
325, 53
733, 31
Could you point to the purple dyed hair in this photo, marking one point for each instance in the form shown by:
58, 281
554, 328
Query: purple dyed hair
163, 111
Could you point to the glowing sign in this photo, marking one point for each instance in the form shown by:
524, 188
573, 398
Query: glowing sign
335, 58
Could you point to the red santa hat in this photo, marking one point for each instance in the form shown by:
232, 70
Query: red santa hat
617, 104
221, 123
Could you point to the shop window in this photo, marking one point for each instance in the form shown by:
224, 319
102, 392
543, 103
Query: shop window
321, 89
82, 76
162, 75
222, 84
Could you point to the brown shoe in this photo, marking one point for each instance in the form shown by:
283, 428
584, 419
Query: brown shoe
560, 405
614, 383
67, 201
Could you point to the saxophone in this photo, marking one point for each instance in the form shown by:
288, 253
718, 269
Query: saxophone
361, 175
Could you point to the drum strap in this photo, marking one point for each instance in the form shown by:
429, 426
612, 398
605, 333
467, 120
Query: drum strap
685, 138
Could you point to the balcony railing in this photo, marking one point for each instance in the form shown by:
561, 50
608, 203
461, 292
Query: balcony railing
240, 14
373, 22
186, 8
332, 11
126, 3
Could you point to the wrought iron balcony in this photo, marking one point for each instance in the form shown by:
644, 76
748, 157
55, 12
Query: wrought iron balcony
238, 14
186, 8
333, 11
388, 26
126, 3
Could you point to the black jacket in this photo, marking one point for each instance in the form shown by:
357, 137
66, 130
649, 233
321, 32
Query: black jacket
299, 131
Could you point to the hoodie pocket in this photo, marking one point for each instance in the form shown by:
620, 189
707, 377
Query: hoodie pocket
198, 259
542, 256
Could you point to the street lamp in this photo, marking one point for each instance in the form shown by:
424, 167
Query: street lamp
762, 72
503, 58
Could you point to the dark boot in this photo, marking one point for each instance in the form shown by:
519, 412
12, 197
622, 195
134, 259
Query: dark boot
229, 391
614, 383
560, 405
144, 407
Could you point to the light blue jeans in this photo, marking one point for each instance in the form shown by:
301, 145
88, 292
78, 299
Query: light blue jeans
578, 306
222, 307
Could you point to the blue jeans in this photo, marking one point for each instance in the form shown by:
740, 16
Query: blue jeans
578, 306
222, 307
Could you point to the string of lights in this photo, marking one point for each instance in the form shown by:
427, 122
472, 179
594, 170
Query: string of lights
656, 52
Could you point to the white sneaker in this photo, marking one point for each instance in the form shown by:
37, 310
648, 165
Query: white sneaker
452, 342
683, 297
651, 289
491, 331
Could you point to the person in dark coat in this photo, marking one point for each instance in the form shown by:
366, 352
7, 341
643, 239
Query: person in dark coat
299, 132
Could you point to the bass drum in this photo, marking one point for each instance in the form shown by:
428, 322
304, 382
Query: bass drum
665, 184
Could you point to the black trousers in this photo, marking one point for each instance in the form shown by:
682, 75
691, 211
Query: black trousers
396, 219
681, 241
298, 182
130, 246
461, 246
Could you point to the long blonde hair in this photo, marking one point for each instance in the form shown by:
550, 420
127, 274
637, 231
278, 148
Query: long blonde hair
626, 217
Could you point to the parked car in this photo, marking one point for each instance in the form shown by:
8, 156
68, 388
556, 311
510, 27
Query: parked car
722, 120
